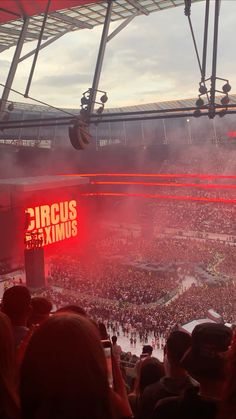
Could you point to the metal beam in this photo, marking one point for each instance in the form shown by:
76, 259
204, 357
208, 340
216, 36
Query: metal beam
37, 50
100, 57
109, 119
205, 39
13, 68
71, 20
42, 46
138, 6
15, 32
122, 26
10, 12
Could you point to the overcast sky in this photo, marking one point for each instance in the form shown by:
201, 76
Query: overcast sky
151, 60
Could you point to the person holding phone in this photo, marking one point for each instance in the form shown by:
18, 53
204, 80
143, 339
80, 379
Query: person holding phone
64, 373
116, 349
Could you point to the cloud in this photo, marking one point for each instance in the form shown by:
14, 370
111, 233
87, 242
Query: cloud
63, 81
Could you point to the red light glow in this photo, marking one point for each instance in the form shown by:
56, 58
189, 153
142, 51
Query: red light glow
231, 134
157, 196
168, 184
161, 175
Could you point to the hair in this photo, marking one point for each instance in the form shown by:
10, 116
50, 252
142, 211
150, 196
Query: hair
41, 308
147, 349
114, 339
16, 302
102, 331
228, 406
177, 344
151, 371
9, 400
72, 308
64, 373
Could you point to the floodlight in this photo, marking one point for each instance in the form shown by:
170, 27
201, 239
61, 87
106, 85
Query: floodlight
84, 100
202, 89
104, 98
222, 113
226, 88
197, 113
10, 107
199, 102
225, 100
100, 110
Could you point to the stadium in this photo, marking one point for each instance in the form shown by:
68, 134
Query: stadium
118, 234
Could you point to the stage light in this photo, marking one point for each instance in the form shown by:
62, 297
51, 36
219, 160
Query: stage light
202, 89
84, 100
225, 100
197, 113
159, 175
100, 110
166, 184
199, 102
222, 113
226, 88
104, 98
10, 107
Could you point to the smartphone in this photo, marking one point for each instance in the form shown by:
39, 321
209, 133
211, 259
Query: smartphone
107, 347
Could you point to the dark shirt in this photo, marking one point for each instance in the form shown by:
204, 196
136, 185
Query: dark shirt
166, 387
19, 333
191, 406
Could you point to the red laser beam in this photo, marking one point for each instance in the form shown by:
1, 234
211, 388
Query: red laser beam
161, 175
168, 184
157, 196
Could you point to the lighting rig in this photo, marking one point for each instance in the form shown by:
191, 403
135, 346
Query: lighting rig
206, 103
79, 132
204, 90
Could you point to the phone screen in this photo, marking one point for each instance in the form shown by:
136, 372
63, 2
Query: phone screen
107, 351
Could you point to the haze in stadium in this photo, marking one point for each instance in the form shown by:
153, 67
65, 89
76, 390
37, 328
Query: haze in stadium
117, 228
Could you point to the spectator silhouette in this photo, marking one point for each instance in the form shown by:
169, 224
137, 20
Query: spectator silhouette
228, 407
16, 303
150, 371
205, 361
9, 400
116, 349
64, 373
176, 378
41, 308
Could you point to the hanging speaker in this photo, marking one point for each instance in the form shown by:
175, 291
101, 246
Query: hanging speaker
79, 135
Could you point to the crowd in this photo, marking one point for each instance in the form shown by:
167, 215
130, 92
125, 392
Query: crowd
55, 365
185, 215
57, 359
111, 280
194, 216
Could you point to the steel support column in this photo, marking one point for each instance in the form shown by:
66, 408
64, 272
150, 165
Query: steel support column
214, 60
37, 50
14, 65
100, 57
205, 39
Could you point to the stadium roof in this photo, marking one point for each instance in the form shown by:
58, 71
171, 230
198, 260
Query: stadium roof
172, 104
67, 16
